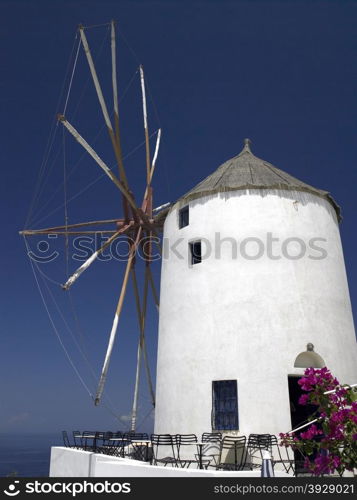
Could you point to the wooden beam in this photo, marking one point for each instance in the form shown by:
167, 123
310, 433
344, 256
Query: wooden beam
68, 233
153, 288
95, 78
119, 154
142, 344
29, 232
116, 319
104, 167
115, 143
146, 129
93, 257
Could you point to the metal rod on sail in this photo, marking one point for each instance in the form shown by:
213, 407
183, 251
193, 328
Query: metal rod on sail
116, 319
103, 166
64, 233
29, 232
141, 349
95, 78
153, 288
122, 174
136, 390
138, 360
143, 343
93, 257
103, 106
156, 152
153, 163
147, 146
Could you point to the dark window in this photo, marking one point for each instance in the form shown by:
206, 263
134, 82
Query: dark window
225, 405
184, 217
195, 252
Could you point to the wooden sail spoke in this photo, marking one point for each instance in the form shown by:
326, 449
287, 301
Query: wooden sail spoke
67, 233
156, 153
113, 137
153, 288
119, 154
146, 130
95, 78
30, 232
93, 257
142, 337
116, 318
104, 167
141, 344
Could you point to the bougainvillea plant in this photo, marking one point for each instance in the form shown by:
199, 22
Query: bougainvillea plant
330, 444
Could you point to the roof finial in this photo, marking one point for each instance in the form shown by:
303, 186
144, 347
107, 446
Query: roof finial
247, 143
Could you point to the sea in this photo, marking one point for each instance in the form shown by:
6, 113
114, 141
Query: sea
26, 455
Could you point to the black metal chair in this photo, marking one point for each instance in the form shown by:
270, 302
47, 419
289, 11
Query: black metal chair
77, 438
257, 443
103, 442
164, 449
186, 449
114, 443
233, 453
276, 451
211, 448
88, 440
66, 440
138, 448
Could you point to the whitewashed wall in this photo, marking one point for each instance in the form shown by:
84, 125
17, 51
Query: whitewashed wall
248, 319
66, 462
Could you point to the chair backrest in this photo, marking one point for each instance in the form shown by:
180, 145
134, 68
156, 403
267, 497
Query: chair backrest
186, 447
233, 441
212, 444
233, 450
65, 439
77, 437
259, 441
163, 445
137, 436
273, 440
188, 439
117, 434
211, 436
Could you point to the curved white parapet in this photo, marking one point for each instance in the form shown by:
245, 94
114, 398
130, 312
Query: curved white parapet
66, 462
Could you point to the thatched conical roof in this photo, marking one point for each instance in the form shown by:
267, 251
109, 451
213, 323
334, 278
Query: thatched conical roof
246, 171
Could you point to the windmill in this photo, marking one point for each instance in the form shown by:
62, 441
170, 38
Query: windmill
138, 223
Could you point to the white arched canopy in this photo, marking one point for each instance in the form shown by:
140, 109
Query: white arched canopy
309, 359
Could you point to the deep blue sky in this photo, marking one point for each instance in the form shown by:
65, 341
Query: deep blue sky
282, 73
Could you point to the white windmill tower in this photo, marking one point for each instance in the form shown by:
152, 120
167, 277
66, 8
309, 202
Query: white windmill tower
253, 273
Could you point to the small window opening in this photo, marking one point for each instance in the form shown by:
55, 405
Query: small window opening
195, 252
184, 217
225, 405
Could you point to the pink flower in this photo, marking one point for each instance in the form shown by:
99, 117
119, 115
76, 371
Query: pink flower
322, 465
339, 416
304, 398
310, 433
339, 420
336, 461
